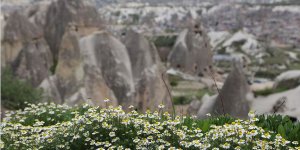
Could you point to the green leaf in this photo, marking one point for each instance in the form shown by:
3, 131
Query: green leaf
281, 131
206, 125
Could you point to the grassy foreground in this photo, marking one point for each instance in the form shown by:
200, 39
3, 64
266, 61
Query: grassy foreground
50, 126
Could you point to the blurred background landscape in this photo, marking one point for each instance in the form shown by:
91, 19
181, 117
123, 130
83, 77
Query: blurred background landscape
215, 56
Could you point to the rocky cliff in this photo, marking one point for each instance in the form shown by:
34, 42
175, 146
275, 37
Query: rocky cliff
64, 14
66, 52
24, 49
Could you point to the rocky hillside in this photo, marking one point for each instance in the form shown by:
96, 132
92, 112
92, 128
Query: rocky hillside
214, 57
63, 48
260, 19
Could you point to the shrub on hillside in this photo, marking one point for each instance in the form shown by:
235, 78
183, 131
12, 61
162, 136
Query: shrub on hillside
181, 100
174, 80
15, 93
282, 125
269, 91
165, 41
52, 126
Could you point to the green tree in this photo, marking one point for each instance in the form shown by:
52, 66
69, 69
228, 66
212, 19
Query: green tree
15, 93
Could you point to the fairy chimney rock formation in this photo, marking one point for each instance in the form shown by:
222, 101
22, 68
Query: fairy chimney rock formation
191, 53
110, 56
17, 32
235, 94
69, 71
25, 50
147, 72
61, 13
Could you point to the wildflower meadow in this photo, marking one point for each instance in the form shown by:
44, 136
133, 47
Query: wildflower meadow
51, 126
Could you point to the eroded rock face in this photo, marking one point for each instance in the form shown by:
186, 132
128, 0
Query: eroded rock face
141, 52
65, 13
147, 72
50, 90
96, 88
206, 106
79, 77
17, 33
69, 70
91, 66
112, 71
235, 94
25, 50
18, 28
110, 56
37, 11
234, 98
33, 62
288, 80
284, 103
191, 53
194, 107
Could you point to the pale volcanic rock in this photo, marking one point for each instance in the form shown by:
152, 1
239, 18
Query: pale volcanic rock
110, 56
50, 90
147, 72
25, 50
284, 103
206, 106
191, 53
288, 79
64, 14
235, 94
69, 70
234, 98
17, 32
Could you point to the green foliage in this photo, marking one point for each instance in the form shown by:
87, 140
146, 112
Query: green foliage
181, 100
289, 84
53, 67
238, 44
202, 92
50, 114
204, 124
117, 13
277, 56
173, 83
186, 99
50, 126
225, 65
222, 51
170, 30
282, 3
174, 80
294, 66
270, 73
15, 93
275, 60
135, 18
269, 91
282, 125
165, 41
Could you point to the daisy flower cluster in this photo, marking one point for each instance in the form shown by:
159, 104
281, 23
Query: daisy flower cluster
244, 134
50, 126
